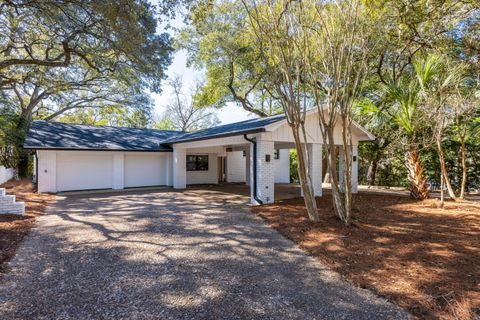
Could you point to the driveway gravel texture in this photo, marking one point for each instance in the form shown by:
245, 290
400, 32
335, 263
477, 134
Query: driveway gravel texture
197, 254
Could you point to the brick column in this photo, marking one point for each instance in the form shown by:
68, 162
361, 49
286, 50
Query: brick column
265, 172
315, 167
179, 168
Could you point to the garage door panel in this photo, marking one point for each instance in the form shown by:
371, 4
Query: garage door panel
143, 170
83, 171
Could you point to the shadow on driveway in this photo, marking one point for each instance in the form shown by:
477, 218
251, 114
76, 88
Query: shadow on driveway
196, 254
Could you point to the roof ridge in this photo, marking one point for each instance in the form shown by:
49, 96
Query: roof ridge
106, 126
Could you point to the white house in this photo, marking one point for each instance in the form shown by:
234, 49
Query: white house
255, 152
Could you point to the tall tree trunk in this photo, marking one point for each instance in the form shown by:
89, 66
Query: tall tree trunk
338, 200
304, 176
22, 128
328, 178
464, 164
325, 173
372, 172
442, 191
418, 183
443, 167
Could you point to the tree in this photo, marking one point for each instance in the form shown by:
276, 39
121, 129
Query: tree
58, 56
466, 121
277, 31
341, 42
403, 98
216, 39
380, 124
47, 35
181, 114
48, 96
437, 78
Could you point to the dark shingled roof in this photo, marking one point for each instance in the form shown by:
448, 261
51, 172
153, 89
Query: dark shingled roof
56, 135
237, 128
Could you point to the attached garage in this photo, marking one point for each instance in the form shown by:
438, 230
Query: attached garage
80, 157
145, 169
83, 170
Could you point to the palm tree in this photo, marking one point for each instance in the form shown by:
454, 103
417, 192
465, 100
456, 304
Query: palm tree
403, 100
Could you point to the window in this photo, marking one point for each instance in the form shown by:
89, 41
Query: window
276, 154
197, 163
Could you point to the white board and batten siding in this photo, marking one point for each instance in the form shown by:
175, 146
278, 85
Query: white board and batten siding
281, 132
282, 167
236, 166
84, 170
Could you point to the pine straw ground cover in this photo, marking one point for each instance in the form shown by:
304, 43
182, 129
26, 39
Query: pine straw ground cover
420, 257
13, 228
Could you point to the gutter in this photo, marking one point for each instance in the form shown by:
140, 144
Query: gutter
170, 141
254, 168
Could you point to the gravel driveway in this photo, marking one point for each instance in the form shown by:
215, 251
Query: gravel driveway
196, 254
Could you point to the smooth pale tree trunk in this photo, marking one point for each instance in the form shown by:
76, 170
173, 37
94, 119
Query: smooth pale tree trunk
444, 171
462, 135
304, 176
338, 200
442, 192
347, 171
417, 182
327, 178
326, 173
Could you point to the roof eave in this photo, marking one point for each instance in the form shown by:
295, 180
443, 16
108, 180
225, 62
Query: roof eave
92, 149
230, 134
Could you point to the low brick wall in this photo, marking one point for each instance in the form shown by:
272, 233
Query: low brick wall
8, 204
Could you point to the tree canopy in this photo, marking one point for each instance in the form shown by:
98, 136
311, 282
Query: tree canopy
59, 59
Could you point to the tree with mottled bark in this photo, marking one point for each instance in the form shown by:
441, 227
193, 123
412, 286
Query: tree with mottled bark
276, 28
341, 42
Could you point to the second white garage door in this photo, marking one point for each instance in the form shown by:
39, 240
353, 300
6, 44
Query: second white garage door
84, 170
144, 169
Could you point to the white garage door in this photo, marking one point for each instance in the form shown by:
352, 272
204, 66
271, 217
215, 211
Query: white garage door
84, 170
144, 169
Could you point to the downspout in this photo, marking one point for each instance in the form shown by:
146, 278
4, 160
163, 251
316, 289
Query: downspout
254, 168
36, 170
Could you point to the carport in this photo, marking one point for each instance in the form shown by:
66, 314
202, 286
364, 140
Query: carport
260, 141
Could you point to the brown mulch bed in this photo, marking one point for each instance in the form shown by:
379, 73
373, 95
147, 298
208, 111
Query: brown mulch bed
420, 257
13, 228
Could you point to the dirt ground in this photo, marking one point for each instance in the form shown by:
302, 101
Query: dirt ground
420, 257
13, 227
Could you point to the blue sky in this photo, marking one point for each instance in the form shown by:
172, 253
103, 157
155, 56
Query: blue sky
230, 113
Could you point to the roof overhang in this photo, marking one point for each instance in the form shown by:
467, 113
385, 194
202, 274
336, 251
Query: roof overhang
225, 135
94, 149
